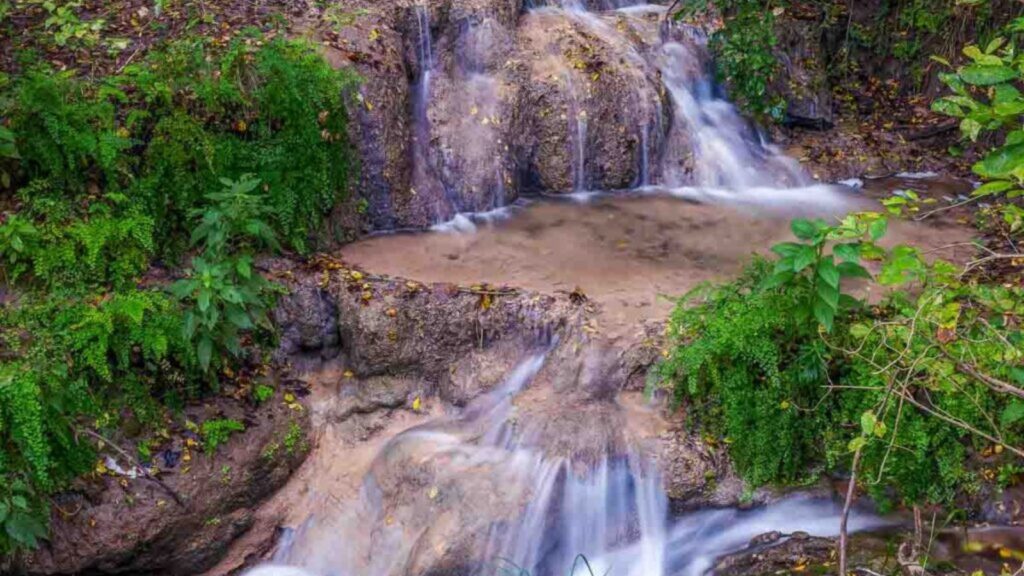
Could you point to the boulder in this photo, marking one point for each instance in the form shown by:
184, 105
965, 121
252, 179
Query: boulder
804, 82
122, 524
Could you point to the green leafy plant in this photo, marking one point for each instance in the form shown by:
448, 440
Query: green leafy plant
222, 293
216, 432
22, 525
18, 238
810, 267
744, 52
63, 22
926, 387
111, 180
261, 393
987, 98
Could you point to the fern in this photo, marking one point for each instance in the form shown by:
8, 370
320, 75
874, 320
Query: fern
752, 366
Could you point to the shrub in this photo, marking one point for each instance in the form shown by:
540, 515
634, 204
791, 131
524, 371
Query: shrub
744, 53
222, 294
151, 143
987, 98
795, 377
218, 149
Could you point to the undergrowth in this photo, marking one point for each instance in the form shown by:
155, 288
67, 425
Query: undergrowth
198, 154
928, 385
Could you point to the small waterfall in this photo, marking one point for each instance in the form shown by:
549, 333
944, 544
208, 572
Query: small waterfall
477, 488
423, 179
727, 152
577, 123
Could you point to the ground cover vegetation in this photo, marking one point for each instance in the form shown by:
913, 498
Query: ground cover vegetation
918, 395
134, 201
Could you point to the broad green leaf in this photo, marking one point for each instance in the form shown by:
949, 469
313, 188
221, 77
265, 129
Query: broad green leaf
779, 279
860, 330
1014, 108
239, 318
878, 228
244, 267
203, 300
824, 314
828, 294
204, 350
954, 82
970, 128
804, 229
947, 107
848, 252
853, 270
1017, 375
804, 258
987, 74
24, 529
994, 45
1013, 413
828, 273
1005, 94
787, 248
4, 510
867, 423
994, 187
857, 443
1001, 162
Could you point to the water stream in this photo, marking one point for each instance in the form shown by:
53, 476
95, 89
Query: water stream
480, 491
611, 510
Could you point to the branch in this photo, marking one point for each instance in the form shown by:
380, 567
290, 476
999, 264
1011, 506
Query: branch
960, 424
974, 264
994, 383
850, 489
135, 463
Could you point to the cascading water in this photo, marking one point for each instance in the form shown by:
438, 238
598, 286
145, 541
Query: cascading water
726, 150
484, 490
477, 493
423, 177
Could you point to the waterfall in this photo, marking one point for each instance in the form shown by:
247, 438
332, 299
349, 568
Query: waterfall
483, 476
727, 152
484, 490
424, 181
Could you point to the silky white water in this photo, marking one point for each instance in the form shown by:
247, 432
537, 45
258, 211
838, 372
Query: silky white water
478, 491
612, 510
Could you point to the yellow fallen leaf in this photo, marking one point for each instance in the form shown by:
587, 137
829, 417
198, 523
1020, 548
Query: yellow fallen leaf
417, 404
432, 493
348, 374
289, 397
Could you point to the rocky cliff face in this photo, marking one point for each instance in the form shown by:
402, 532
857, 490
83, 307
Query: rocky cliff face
467, 103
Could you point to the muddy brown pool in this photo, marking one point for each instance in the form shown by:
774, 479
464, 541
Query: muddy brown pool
629, 253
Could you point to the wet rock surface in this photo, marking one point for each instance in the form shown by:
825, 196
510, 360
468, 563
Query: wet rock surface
118, 524
465, 104
804, 82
